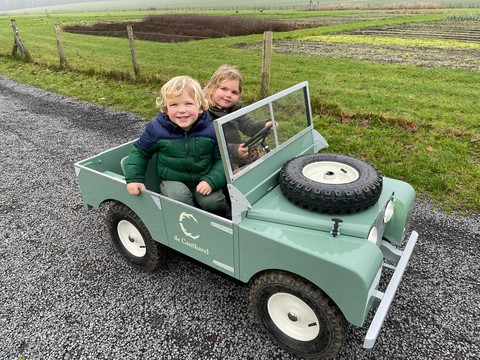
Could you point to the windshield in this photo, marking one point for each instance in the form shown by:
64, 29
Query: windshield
255, 132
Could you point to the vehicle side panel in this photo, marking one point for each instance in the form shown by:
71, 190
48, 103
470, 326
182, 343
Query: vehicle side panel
98, 188
200, 235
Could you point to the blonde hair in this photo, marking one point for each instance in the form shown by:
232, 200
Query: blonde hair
224, 72
176, 87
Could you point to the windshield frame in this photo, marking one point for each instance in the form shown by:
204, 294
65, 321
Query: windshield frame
218, 123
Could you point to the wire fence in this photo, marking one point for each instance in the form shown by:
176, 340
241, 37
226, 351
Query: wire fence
21, 52
142, 35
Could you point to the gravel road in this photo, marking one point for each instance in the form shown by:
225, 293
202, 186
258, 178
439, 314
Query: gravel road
66, 294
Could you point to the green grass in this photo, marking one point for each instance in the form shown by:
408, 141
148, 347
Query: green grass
417, 124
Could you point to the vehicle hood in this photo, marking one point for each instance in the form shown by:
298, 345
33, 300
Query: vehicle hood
274, 207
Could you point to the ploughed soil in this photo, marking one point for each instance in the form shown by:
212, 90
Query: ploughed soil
451, 58
189, 27
467, 32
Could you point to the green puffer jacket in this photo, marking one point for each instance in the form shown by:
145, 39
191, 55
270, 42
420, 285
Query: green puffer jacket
189, 157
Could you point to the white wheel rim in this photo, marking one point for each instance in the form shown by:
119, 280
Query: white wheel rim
131, 238
293, 317
330, 172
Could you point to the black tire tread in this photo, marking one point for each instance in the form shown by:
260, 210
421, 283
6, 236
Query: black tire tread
332, 314
155, 251
336, 199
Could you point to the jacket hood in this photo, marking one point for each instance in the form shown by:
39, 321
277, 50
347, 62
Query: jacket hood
217, 112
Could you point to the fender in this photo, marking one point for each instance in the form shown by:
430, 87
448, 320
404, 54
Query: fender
345, 268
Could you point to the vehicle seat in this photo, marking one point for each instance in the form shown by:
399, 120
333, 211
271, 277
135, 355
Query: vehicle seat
122, 163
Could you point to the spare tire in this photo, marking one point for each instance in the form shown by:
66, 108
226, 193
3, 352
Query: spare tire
330, 183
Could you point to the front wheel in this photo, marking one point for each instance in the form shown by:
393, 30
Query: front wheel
297, 315
131, 238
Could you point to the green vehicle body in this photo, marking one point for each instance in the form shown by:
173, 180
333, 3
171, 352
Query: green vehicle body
267, 231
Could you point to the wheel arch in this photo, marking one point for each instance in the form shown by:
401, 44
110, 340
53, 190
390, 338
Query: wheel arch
347, 277
347, 312
147, 206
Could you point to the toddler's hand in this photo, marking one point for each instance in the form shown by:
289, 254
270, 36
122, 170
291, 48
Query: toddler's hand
242, 151
269, 123
203, 188
135, 188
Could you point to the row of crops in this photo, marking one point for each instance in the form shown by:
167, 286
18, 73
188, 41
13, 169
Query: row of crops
447, 29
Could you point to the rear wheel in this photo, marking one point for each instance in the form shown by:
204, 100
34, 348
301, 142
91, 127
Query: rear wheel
132, 239
297, 315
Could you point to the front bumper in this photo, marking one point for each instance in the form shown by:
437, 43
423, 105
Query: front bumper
385, 298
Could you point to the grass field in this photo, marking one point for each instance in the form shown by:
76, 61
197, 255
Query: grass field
414, 122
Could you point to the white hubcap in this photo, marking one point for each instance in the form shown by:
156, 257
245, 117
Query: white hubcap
293, 317
131, 238
330, 172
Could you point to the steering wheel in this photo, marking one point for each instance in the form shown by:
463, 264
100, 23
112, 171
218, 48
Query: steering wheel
259, 136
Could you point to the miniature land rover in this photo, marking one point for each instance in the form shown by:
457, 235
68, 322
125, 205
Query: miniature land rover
312, 233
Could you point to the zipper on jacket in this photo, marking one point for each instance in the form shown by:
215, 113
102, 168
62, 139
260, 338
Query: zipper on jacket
189, 158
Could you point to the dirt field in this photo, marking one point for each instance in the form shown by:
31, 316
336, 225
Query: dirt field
188, 27
451, 58
408, 55
173, 29
463, 31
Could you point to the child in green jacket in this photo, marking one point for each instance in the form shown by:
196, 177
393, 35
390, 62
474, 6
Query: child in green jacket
182, 138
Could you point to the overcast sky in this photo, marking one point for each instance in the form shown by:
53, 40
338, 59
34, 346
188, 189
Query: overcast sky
6, 5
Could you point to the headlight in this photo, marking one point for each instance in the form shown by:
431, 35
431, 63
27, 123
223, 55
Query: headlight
389, 210
373, 235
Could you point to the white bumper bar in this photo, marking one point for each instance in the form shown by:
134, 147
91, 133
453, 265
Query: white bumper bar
387, 296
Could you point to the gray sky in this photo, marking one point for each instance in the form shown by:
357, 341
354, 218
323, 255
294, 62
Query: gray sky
6, 5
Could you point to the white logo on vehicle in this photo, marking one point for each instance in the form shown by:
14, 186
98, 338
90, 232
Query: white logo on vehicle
184, 216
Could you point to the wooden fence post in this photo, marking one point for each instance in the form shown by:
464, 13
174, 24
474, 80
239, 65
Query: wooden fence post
18, 44
266, 63
136, 68
63, 60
